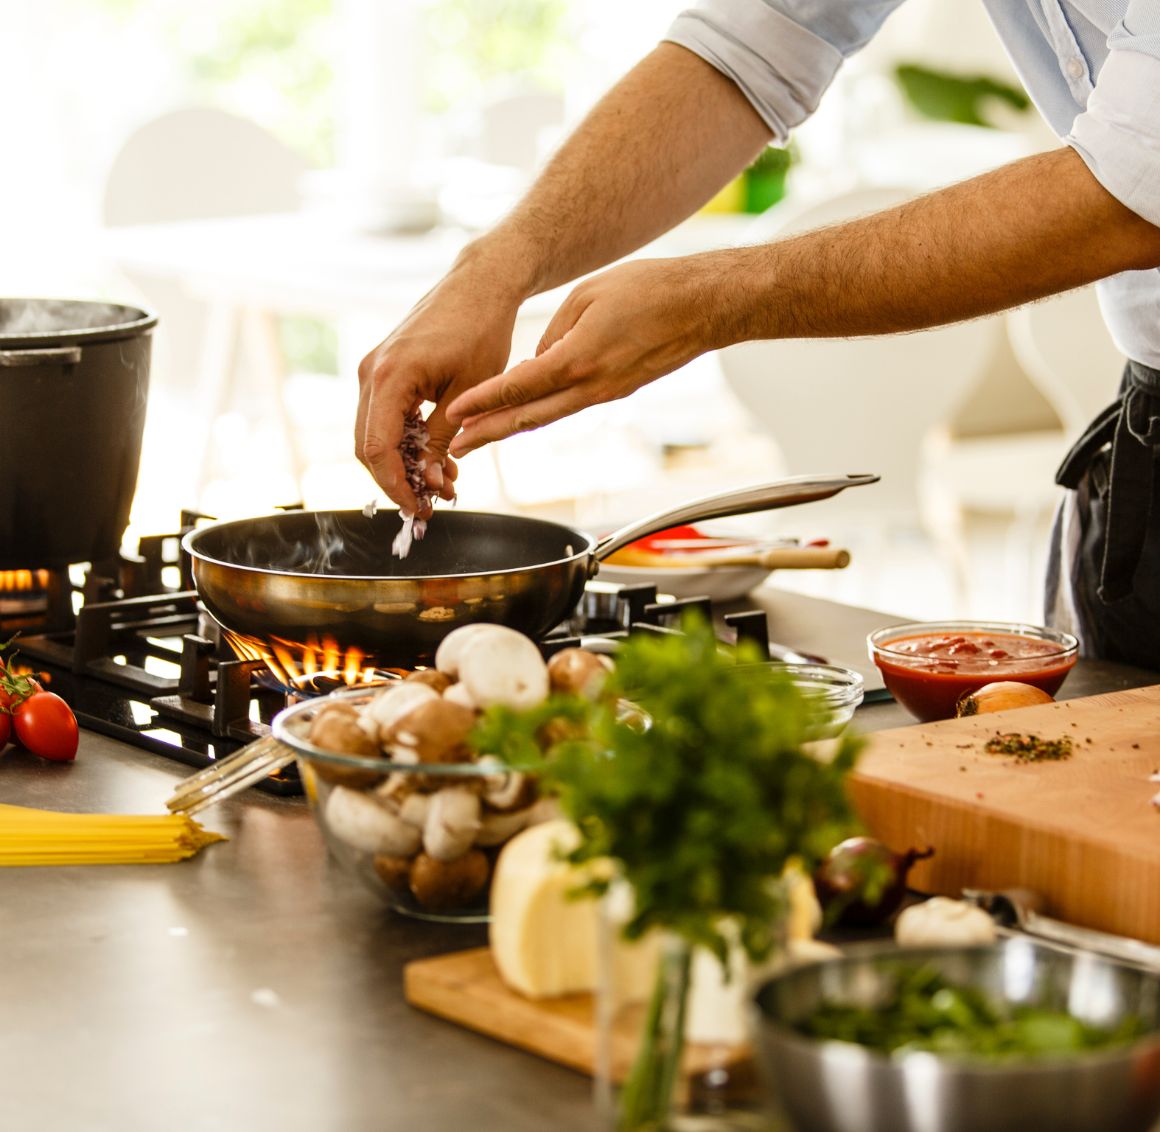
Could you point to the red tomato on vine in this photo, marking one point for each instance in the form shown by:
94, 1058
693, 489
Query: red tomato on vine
41, 721
46, 726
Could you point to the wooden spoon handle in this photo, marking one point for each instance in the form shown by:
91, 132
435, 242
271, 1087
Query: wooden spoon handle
785, 558
774, 558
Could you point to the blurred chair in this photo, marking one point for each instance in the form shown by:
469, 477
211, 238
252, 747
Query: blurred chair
513, 128
1064, 348
203, 163
860, 404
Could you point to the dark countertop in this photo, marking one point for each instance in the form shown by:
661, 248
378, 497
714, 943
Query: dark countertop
257, 987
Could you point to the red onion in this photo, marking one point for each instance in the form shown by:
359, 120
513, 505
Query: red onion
413, 449
861, 882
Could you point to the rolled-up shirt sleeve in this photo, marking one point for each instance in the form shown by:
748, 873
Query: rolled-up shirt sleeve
781, 54
1118, 135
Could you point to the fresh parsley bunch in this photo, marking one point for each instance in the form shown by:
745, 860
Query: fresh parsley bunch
704, 803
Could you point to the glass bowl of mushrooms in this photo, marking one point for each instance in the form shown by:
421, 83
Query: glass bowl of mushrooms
403, 799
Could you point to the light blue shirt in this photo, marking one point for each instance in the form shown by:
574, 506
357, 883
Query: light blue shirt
1092, 67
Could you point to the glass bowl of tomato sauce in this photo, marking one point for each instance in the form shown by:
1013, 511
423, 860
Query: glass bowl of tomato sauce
928, 666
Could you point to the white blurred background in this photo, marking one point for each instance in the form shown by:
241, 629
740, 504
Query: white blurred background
332, 155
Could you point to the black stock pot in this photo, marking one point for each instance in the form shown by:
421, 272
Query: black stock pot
73, 383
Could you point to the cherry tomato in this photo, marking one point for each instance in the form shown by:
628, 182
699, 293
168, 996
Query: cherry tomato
5, 720
45, 724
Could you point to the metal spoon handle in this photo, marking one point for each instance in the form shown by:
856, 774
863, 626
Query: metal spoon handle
1013, 913
1088, 939
739, 501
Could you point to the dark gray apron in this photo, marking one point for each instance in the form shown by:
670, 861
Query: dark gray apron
1103, 577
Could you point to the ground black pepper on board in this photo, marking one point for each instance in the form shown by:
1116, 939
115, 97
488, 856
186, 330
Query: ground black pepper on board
1029, 748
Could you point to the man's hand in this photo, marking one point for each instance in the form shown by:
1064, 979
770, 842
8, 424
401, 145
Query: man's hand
614, 333
652, 151
459, 334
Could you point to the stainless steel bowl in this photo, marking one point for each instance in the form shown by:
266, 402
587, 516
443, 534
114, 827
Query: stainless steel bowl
831, 1086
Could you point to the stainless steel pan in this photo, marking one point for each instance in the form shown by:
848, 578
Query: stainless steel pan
300, 577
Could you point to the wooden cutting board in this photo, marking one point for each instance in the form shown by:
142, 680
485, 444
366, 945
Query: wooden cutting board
465, 987
1081, 832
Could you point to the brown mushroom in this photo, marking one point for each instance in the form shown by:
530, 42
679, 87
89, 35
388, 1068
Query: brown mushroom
434, 732
432, 677
394, 872
336, 728
579, 672
439, 885
559, 729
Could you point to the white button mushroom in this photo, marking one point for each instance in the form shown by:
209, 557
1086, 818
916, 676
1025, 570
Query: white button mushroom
509, 791
496, 828
451, 647
388, 707
458, 694
413, 809
452, 823
942, 922
361, 822
504, 669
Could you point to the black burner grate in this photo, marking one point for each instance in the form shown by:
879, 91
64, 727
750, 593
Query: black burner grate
144, 663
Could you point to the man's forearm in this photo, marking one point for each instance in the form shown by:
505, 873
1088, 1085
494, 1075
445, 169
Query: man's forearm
1030, 229
651, 152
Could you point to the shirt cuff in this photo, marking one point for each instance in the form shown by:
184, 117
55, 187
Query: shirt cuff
780, 67
1118, 135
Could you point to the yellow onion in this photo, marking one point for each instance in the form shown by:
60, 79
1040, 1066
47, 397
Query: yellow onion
1003, 695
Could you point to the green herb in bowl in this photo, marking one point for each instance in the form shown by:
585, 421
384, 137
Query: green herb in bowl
927, 1011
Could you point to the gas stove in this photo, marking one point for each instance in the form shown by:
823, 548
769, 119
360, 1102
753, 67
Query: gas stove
128, 646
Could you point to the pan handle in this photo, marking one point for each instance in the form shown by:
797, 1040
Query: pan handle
739, 501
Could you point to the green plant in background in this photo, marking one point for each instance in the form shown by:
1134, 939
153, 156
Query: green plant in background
309, 345
268, 60
272, 61
701, 809
952, 98
760, 186
474, 43
764, 180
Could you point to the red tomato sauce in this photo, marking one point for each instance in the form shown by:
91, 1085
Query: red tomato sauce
929, 673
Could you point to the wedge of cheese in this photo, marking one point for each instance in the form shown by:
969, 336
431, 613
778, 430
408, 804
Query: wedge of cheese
544, 940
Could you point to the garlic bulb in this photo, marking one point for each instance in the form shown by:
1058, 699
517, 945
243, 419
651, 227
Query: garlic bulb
942, 922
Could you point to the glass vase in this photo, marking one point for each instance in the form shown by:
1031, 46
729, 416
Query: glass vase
671, 1057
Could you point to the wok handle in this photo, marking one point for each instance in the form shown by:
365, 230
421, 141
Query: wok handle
61, 355
739, 501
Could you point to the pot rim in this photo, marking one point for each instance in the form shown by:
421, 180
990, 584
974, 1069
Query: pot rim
138, 321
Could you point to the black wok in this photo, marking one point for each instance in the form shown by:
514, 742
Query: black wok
301, 577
